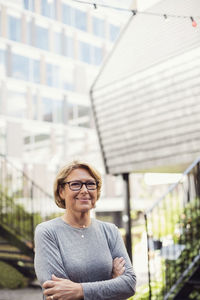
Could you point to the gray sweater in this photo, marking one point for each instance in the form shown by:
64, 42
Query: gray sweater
85, 256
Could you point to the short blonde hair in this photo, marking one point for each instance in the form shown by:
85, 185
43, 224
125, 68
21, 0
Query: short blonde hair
65, 171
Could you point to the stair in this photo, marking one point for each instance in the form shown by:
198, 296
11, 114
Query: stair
173, 235
190, 287
22, 206
15, 257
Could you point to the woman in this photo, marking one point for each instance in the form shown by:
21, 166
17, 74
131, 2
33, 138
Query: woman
77, 257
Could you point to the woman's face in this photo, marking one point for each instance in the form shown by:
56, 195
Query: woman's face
82, 200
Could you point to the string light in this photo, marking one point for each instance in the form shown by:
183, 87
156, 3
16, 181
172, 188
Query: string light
194, 23
134, 12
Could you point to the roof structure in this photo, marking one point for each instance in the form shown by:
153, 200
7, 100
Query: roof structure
146, 98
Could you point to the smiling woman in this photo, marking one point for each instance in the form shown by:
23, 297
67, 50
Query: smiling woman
77, 257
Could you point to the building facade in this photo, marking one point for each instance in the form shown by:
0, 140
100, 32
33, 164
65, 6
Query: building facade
50, 53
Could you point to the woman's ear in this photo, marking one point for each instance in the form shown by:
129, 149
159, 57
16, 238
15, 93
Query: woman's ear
61, 193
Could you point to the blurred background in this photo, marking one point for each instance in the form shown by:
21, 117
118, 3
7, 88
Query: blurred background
114, 83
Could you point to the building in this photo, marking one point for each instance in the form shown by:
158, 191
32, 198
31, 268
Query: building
50, 52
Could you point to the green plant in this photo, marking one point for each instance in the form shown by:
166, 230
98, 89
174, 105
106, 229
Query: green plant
11, 278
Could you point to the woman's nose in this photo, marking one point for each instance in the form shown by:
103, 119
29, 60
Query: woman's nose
84, 188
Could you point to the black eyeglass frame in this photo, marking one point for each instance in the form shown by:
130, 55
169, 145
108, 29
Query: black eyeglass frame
81, 185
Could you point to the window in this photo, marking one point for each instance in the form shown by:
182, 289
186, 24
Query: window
34, 70
85, 52
34, 107
114, 32
80, 19
98, 56
67, 14
0, 22
69, 46
98, 27
48, 8
83, 111
70, 111
58, 42
42, 37
14, 28
29, 4
47, 109
52, 75
59, 111
16, 104
2, 61
29, 33
20, 67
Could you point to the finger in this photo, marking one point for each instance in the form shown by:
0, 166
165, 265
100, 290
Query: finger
121, 271
55, 278
118, 261
122, 263
48, 292
48, 284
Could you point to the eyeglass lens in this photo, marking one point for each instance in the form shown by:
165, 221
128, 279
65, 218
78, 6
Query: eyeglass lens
77, 185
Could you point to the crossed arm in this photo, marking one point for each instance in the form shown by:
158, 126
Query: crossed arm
58, 285
65, 289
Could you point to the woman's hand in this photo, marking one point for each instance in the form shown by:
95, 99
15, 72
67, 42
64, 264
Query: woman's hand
118, 267
62, 289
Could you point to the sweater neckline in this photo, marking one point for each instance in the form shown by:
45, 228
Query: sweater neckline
76, 228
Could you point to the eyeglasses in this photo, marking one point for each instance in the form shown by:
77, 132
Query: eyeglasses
77, 185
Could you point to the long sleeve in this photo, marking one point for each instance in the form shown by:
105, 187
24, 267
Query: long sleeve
118, 288
48, 260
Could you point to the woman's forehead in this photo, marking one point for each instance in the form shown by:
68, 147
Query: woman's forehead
79, 174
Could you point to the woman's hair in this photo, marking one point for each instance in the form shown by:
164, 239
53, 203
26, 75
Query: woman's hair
65, 171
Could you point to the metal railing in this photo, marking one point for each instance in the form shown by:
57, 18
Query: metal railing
173, 235
23, 204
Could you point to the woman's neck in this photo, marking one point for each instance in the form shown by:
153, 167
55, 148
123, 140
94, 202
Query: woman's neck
80, 221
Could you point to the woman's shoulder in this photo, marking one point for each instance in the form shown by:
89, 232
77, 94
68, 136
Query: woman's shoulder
110, 229
48, 226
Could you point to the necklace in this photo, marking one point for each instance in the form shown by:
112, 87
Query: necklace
80, 227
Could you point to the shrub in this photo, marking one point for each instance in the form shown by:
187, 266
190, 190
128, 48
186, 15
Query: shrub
10, 277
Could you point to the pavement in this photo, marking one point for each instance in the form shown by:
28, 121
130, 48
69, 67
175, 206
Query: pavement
21, 294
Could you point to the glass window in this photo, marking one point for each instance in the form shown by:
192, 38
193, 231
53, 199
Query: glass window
83, 111
14, 28
85, 52
16, 104
98, 56
35, 70
48, 8
67, 14
52, 75
34, 107
2, 61
29, 34
80, 19
42, 37
70, 111
0, 22
29, 4
98, 27
69, 46
20, 67
58, 42
59, 111
114, 32
47, 109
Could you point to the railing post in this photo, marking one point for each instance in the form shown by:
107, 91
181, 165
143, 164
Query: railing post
127, 215
32, 215
148, 260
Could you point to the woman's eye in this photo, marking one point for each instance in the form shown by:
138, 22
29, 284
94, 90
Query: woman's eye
91, 184
75, 184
